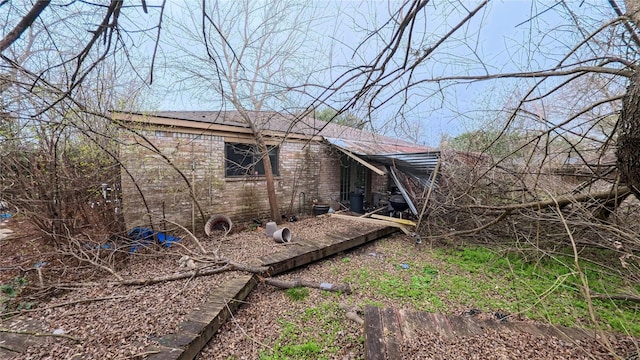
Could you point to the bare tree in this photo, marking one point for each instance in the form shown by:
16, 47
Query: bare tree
60, 72
573, 97
629, 124
250, 57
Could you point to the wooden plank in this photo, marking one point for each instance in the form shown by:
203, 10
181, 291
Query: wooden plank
529, 328
464, 326
444, 326
374, 346
373, 212
203, 322
392, 336
292, 258
578, 333
361, 161
384, 339
406, 328
566, 333
389, 218
374, 221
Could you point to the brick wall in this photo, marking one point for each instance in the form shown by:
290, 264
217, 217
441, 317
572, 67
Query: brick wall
307, 171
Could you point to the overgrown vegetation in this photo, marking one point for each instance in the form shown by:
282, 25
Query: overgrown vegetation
297, 293
546, 288
311, 335
10, 295
523, 283
576, 141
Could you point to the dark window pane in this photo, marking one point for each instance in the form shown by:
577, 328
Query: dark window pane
244, 159
273, 155
239, 159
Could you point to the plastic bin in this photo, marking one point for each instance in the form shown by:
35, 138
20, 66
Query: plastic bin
356, 201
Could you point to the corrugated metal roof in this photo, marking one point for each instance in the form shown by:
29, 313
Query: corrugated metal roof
409, 158
418, 162
378, 146
422, 163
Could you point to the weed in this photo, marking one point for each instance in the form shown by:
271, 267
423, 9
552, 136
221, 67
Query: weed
301, 351
252, 227
311, 335
546, 289
9, 292
297, 293
408, 284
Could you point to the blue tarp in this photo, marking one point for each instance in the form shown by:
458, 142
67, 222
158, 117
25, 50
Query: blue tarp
144, 236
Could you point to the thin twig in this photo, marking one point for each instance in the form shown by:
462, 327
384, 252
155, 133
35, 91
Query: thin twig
583, 279
202, 249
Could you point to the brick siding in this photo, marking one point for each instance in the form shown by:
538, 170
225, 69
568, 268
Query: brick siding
307, 171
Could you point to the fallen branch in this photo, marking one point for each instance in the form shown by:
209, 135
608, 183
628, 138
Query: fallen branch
201, 271
355, 317
623, 297
559, 202
229, 266
344, 288
351, 313
92, 262
475, 230
10, 349
193, 237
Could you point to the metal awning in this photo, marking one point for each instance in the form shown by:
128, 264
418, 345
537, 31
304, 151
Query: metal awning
412, 161
362, 161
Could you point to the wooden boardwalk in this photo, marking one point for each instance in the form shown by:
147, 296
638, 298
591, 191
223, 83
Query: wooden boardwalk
202, 323
320, 248
386, 329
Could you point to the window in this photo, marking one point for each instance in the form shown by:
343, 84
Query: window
244, 160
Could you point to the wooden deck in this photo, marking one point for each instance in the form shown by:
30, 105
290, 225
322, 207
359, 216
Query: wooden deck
202, 323
386, 329
320, 248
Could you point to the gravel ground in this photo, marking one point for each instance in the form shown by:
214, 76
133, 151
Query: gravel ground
127, 319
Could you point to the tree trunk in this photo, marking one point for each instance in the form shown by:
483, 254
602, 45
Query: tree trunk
268, 174
264, 154
628, 152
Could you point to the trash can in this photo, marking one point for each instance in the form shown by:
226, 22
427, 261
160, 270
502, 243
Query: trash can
356, 201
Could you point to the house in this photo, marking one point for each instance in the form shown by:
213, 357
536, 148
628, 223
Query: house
167, 156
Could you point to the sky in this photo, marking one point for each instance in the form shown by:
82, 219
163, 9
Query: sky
498, 36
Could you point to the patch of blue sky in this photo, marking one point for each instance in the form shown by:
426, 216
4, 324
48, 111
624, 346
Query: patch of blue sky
504, 37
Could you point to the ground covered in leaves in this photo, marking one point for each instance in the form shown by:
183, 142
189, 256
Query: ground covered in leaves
104, 320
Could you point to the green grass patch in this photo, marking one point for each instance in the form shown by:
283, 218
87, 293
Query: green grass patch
412, 284
546, 288
311, 335
10, 295
297, 293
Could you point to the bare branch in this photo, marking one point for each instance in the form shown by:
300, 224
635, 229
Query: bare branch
24, 23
